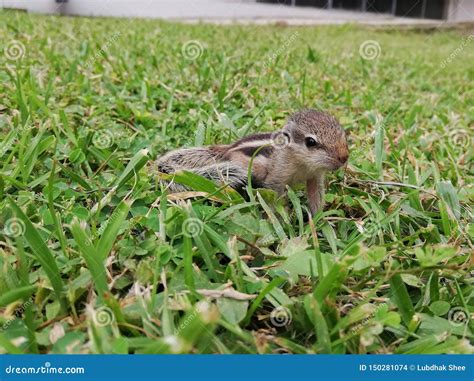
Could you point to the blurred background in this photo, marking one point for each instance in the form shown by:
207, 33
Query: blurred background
295, 11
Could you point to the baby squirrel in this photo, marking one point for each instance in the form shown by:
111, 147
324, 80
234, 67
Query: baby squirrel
310, 144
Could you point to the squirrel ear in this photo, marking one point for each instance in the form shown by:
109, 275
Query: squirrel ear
288, 128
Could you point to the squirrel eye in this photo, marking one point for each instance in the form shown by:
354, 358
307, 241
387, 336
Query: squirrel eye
311, 143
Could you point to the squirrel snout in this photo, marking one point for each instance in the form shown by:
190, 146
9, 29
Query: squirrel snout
343, 157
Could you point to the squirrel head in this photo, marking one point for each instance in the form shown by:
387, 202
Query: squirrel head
316, 141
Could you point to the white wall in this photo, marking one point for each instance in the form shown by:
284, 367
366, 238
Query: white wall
458, 10
41, 6
461, 10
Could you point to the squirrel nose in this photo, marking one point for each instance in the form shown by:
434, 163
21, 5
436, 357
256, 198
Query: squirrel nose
343, 158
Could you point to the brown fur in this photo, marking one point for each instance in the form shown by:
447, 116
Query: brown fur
276, 165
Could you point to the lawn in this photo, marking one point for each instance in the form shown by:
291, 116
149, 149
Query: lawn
97, 258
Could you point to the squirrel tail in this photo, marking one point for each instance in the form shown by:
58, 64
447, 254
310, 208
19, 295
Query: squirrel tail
220, 173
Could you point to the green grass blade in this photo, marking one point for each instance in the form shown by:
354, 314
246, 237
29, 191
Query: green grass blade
274, 220
188, 263
94, 262
136, 163
297, 208
20, 293
313, 309
335, 277
401, 298
276, 282
379, 150
112, 228
42, 253
52, 211
8, 346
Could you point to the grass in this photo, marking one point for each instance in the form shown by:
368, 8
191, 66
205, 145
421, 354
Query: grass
96, 258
